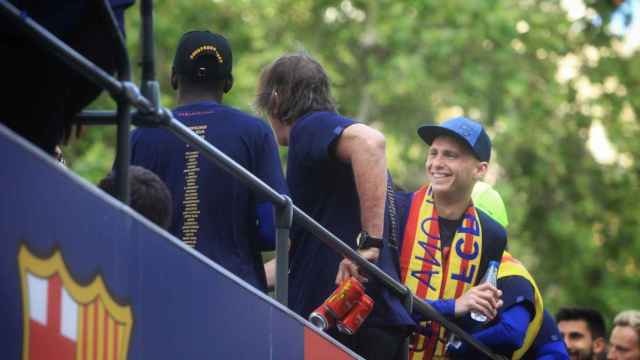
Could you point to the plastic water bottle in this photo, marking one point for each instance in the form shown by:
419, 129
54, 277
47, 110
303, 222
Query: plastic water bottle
491, 276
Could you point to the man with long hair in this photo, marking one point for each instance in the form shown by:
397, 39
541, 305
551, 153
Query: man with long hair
337, 173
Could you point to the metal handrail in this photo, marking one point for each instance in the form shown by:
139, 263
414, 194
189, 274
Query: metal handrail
149, 115
121, 168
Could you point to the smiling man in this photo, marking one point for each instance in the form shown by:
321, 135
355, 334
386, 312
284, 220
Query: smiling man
583, 331
447, 242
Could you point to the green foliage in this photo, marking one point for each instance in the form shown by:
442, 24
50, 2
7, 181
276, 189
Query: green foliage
398, 64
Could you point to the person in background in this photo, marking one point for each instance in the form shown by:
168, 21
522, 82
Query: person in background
624, 342
149, 195
583, 331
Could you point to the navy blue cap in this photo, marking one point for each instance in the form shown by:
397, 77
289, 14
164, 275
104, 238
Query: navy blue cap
465, 129
203, 55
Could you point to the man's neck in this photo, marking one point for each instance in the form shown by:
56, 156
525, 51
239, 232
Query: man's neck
190, 98
451, 207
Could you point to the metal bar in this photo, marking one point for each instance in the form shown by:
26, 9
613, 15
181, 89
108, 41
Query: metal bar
123, 116
284, 218
148, 59
93, 117
407, 301
149, 87
122, 153
122, 55
58, 48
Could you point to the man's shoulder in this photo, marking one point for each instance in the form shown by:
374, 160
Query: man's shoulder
318, 119
490, 227
224, 115
241, 116
231, 111
144, 134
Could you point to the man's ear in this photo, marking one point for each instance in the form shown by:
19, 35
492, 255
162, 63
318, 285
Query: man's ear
480, 170
174, 79
228, 84
599, 345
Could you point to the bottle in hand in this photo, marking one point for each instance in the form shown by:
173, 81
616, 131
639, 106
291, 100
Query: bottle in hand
491, 276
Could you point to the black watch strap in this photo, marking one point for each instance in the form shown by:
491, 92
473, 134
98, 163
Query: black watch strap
366, 241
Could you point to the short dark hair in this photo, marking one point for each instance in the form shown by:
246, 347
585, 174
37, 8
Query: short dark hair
149, 195
200, 86
593, 318
293, 85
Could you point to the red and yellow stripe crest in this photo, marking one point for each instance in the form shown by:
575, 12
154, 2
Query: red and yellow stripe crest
84, 319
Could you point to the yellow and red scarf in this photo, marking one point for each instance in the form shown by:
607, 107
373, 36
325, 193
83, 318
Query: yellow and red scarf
432, 272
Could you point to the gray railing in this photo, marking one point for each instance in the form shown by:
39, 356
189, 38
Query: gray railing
149, 114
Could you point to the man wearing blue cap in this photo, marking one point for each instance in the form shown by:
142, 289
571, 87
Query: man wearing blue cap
213, 211
446, 242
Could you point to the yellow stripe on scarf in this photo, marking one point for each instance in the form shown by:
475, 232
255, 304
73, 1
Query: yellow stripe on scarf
510, 266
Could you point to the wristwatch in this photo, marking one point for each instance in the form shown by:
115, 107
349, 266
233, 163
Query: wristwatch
366, 241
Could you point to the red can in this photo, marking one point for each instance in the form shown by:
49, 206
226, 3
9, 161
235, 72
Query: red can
351, 323
344, 298
322, 318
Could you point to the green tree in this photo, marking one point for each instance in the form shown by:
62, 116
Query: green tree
539, 78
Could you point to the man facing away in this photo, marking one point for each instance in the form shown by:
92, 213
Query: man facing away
214, 212
447, 243
583, 331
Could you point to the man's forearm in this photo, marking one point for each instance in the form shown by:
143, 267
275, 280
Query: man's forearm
370, 172
270, 273
364, 148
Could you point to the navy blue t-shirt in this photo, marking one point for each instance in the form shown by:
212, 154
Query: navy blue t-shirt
324, 187
214, 211
549, 342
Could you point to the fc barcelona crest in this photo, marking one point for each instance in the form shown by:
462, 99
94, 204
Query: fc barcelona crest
65, 320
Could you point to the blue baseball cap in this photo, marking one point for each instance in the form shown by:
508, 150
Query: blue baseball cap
468, 131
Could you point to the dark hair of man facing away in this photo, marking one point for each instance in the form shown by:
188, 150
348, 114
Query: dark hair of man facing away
193, 90
149, 195
294, 85
593, 318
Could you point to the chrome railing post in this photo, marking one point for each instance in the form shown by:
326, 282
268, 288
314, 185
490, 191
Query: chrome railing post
284, 219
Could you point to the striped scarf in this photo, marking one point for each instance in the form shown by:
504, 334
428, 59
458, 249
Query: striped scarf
432, 272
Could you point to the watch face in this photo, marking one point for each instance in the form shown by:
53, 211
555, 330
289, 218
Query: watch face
360, 238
